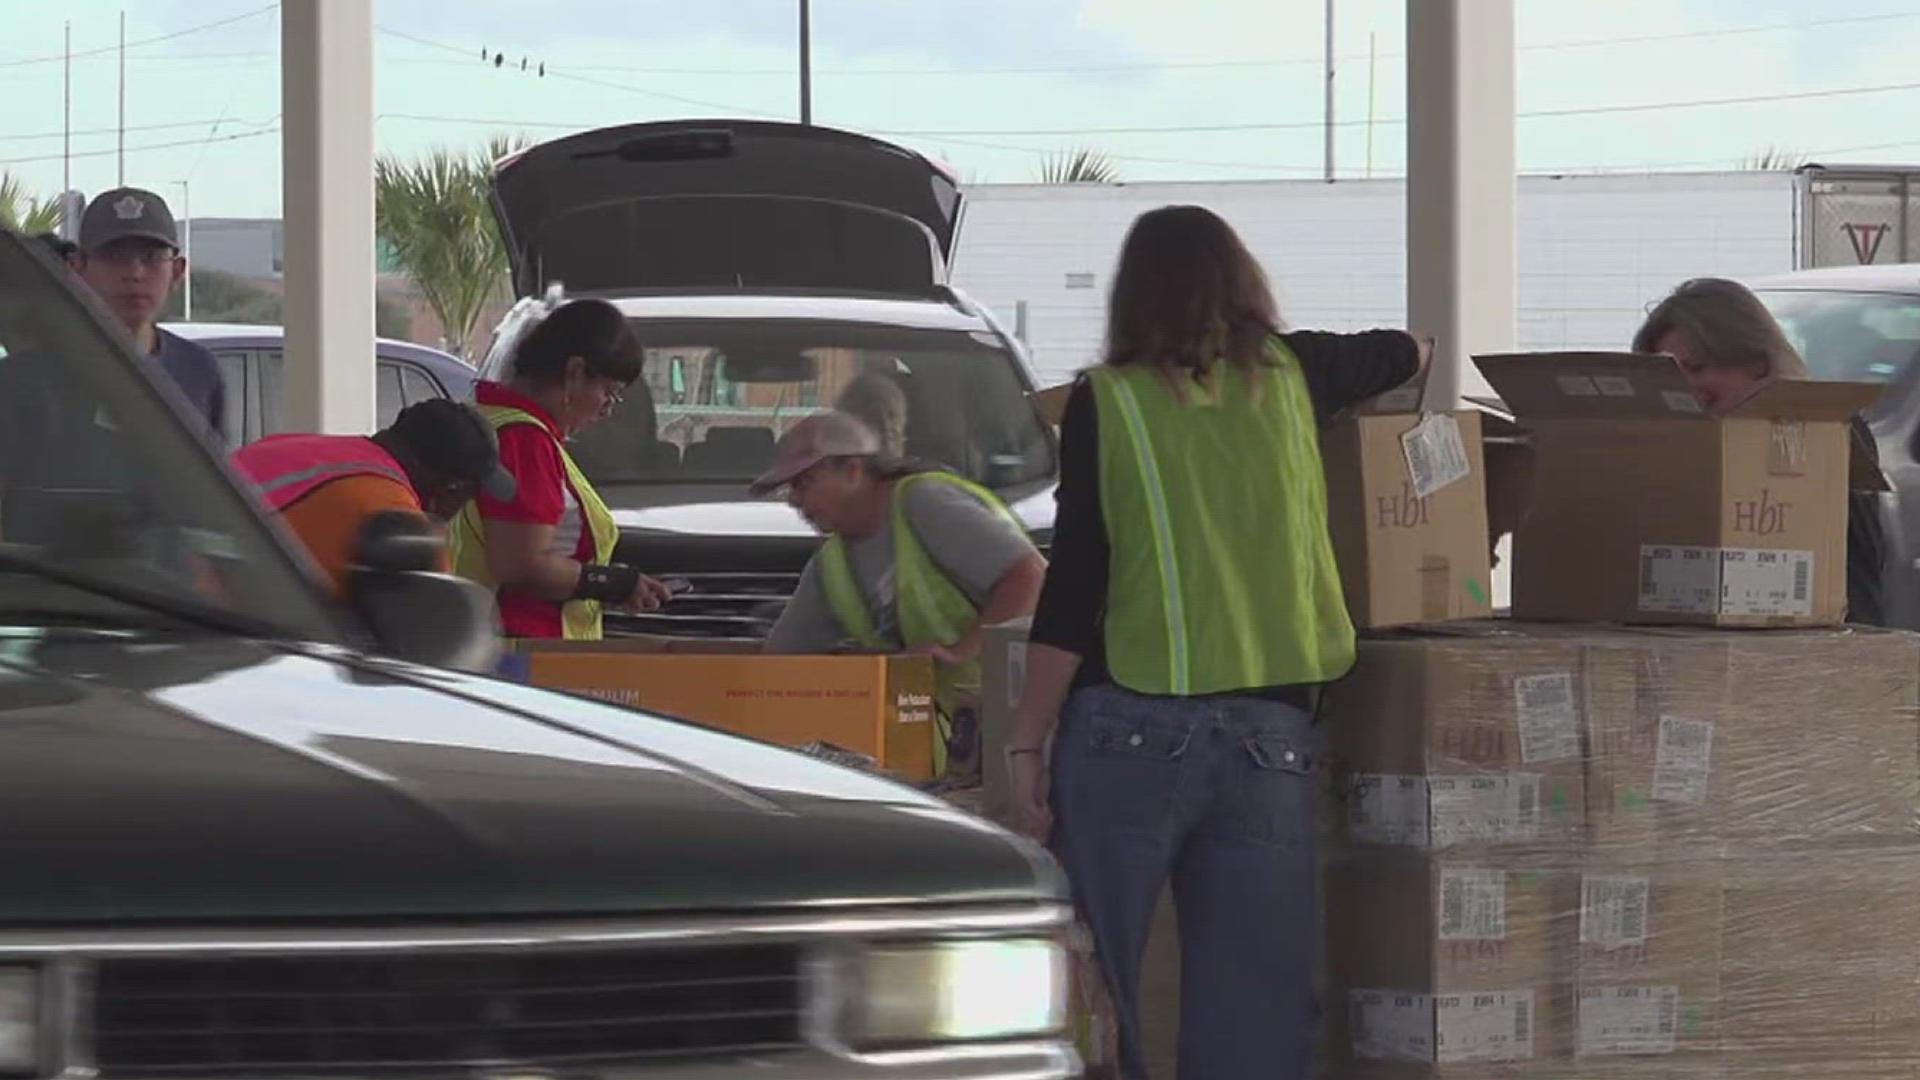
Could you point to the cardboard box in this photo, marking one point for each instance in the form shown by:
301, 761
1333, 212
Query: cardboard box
1003, 678
1822, 953
1647, 958
879, 706
1762, 739
1466, 737
1447, 960
1051, 403
1407, 511
1647, 509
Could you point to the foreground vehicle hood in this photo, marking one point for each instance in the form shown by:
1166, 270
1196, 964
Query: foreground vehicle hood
215, 779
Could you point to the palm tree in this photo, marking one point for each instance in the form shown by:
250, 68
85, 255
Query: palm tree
434, 214
1774, 159
23, 213
1081, 166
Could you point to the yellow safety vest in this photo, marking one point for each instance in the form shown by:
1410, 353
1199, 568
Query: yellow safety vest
1222, 575
932, 609
580, 620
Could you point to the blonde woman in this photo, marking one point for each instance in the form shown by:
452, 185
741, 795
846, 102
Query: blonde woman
1729, 346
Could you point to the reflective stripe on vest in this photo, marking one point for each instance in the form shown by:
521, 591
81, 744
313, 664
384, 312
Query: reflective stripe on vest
580, 620
285, 468
1222, 575
932, 610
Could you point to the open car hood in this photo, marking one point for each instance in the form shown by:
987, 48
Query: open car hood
725, 204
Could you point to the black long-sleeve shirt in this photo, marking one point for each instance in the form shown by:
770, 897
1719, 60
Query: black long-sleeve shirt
1340, 370
1866, 544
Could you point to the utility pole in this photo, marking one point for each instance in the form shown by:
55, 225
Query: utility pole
1329, 91
1373, 59
66, 121
186, 220
123, 100
806, 61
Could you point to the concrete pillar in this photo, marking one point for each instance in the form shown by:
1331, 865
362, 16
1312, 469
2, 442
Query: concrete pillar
1462, 280
326, 91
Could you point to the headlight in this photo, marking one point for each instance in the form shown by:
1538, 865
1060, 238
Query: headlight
19, 1020
959, 991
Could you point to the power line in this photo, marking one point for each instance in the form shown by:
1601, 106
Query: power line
1536, 114
484, 121
226, 107
150, 146
59, 58
173, 126
556, 73
723, 107
1193, 65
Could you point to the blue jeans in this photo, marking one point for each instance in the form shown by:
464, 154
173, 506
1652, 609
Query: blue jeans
1217, 794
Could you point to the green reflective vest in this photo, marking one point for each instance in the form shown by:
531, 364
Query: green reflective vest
580, 620
1222, 576
932, 610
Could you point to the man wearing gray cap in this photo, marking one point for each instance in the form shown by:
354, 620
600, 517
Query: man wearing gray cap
916, 559
130, 257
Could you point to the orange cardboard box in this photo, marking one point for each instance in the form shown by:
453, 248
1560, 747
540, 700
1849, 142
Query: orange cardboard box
880, 706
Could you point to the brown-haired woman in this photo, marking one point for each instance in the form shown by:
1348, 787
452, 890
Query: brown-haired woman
1729, 346
548, 551
1191, 608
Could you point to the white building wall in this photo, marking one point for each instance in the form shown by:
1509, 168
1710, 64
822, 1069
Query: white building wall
1594, 251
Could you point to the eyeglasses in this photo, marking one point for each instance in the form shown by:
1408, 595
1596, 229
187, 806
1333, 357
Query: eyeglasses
146, 258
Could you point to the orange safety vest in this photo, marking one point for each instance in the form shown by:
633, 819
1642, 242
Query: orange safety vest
286, 468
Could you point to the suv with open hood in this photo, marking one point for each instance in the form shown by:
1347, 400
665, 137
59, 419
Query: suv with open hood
770, 270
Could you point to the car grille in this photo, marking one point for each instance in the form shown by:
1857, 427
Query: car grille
721, 605
289, 1015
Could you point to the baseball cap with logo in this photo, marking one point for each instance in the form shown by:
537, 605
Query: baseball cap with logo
453, 439
817, 438
127, 213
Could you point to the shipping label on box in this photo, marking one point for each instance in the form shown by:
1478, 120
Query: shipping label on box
1645, 508
1627, 1020
1439, 812
1713, 582
1492, 1025
1407, 513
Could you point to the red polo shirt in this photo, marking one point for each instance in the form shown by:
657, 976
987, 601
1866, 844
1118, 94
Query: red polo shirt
532, 455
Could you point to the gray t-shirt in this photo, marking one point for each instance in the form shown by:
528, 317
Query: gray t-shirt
971, 544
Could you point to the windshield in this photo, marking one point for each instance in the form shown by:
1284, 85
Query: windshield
111, 510
714, 397
1849, 336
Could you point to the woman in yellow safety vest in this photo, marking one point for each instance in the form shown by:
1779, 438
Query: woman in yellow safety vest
916, 558
548, 551
1191, 609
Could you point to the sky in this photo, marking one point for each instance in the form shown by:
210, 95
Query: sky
1198, 89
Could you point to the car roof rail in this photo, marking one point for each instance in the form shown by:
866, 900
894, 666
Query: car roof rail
955, 299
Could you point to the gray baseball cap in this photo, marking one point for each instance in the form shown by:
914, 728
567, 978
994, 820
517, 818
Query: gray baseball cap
813, 440
125, 213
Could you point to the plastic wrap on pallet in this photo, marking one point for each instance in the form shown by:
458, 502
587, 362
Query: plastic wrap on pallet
1580, 852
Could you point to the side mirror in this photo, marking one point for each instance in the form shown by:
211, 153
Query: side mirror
415, 613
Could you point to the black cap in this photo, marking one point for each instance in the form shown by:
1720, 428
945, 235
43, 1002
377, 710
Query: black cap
127, 212
453, 439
